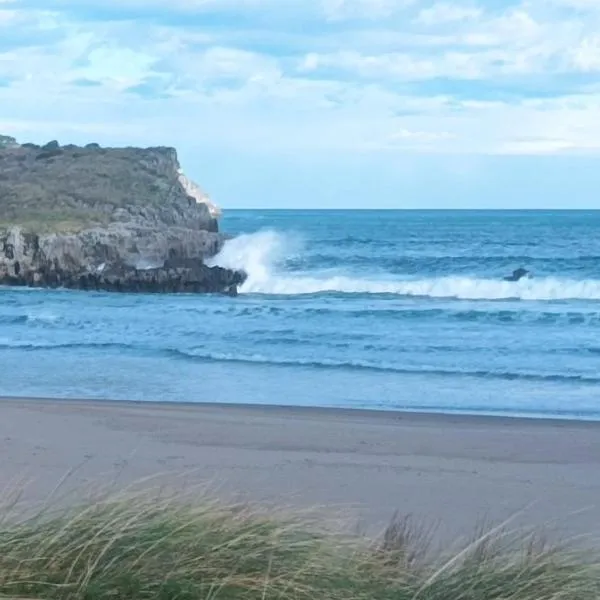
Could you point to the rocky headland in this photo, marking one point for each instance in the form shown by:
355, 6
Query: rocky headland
114, 219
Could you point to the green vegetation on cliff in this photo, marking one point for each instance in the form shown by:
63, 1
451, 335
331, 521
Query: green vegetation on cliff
6, 141
69, 188
147, 547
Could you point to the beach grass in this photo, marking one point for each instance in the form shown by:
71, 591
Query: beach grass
150, 544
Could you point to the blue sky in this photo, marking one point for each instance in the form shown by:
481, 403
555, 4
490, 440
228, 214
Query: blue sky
323, 103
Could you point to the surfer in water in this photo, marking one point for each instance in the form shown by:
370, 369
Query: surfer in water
518, 275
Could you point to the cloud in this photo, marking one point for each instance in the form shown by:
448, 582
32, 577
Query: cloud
443, 13
586, 55
363, 9
319, 76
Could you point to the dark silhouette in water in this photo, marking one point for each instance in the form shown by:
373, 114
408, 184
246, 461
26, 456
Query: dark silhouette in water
517, 275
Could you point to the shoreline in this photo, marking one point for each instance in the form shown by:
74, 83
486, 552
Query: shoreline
447, 470
414, 415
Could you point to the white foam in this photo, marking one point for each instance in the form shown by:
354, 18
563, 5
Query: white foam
42, 318
262, 254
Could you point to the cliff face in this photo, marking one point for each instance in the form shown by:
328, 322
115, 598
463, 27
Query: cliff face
106, 218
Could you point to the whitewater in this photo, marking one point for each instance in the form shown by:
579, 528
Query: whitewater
262, 256
357, 309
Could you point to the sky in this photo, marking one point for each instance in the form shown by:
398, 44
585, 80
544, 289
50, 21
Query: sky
323, 103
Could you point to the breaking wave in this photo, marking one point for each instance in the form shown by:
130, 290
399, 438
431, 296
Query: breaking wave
44, 318
263, 256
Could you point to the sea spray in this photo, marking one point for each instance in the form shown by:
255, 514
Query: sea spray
263, 256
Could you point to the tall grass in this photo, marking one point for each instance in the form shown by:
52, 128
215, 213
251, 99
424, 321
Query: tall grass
146, 545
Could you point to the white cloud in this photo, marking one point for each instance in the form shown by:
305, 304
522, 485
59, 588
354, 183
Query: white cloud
150, 5
443, 13
584, 5
366, 9
408, 67
243, 86
16, 18
586, 56
114, 64
220, 62
536, 146
7, 17
474, 44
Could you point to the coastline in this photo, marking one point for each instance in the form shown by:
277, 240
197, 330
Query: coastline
448, 471
414, 416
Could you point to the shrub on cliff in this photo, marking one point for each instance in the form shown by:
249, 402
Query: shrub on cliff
6, 141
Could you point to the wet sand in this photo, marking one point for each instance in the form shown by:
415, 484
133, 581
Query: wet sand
452, 471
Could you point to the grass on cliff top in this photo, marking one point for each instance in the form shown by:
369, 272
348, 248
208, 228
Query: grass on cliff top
70, 189
143, 546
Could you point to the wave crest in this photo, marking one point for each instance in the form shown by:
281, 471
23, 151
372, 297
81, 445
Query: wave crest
259, 359
262, 255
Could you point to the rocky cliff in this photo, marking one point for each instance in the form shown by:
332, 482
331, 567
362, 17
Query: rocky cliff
105, 218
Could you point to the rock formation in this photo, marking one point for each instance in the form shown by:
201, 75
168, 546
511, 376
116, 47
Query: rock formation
518, 275
123, 219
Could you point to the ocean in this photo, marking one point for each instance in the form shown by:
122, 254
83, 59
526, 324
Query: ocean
395, 310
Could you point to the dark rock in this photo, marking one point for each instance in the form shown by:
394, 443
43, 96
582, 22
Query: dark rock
27, 260
49, 154
232, 290
53, 145
517, 275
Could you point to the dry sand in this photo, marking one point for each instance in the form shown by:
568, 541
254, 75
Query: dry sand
453, 470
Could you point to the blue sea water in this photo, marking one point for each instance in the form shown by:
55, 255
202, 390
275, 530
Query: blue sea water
364, 309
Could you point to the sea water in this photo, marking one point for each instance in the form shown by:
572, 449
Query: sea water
361, 309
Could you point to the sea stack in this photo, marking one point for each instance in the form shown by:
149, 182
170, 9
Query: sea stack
115, 219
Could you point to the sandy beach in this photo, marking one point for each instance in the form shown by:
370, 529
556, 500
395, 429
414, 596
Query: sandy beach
446, 470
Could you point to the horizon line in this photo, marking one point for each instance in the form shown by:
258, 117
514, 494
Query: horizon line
409, 209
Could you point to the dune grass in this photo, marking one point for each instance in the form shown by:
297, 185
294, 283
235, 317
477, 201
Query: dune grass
146, 545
